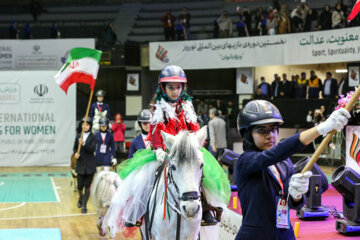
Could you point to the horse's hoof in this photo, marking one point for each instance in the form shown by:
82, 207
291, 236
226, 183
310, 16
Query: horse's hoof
101, 232
109, 233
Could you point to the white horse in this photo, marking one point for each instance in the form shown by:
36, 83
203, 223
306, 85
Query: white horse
183, 173
102, 190
97, 115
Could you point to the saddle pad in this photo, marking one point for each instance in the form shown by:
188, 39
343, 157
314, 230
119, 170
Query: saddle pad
31, 234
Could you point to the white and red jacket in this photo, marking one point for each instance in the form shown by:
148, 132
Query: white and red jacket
171, 118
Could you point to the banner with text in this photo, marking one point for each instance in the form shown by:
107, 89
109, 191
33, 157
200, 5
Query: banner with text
341, 45
37, 119
352, 147
40, 54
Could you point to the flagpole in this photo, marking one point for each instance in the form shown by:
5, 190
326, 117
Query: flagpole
86, 116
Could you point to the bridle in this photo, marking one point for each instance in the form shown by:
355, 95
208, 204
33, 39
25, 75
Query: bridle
186, 196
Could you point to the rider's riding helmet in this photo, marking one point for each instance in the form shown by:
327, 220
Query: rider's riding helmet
103, 122
88, 120
144, 117
100, 93
254, 113
172, 73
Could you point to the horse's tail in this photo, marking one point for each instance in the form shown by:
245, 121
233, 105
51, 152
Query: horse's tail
103, 188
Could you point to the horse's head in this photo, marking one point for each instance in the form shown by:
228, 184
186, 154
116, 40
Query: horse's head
185, 168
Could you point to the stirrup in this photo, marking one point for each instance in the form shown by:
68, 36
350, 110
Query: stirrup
137, 224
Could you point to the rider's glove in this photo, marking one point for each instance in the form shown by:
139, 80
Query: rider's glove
337, 120
160, 155
299, 184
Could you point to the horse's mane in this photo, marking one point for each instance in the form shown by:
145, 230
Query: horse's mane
183, 149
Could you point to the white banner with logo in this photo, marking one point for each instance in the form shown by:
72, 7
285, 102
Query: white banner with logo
353, 147
40, 54
37, 119
341, 45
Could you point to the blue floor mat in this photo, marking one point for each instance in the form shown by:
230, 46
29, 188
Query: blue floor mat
31, 234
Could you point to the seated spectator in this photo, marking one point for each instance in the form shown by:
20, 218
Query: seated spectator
169, 28
225, 25
13, 30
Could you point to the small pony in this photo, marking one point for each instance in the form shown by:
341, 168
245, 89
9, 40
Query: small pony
102, 190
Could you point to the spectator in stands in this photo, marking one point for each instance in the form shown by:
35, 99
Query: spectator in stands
216, 28
310, 21
286, 88
276, 86
301, 86
297, 20
315, 85
324, 114
184, 18
169, 25
230, 114
55, 30
241, 25
220, 106
118, 128
265, 88
180, 31
13, 30
217, 132
338, 18
28, 31
272, 22
110, 35
284, 23
330, 88
318, 117
344, 87
247, 19
309, 117
225, 25
325, 19
202, 110
258, 94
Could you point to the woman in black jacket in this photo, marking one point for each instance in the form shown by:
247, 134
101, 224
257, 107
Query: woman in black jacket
86, 163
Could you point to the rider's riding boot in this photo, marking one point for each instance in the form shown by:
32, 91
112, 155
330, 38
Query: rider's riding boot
207, 218
81, 196
137, 224
86, 198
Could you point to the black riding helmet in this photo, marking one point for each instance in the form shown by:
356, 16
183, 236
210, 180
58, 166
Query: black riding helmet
144, 117
104, 122
254, 113
88, 120
100, 93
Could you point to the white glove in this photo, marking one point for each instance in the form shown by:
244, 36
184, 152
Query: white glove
160, 155
114, 161
299, 184
337, 120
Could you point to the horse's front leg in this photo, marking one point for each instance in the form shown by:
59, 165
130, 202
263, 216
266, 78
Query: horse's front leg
101, 213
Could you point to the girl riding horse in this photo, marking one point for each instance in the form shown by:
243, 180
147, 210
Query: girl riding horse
172, 112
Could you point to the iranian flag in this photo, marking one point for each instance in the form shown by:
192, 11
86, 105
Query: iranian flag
82, 66
354, 11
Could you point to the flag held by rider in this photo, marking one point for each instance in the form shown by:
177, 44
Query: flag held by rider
82, 66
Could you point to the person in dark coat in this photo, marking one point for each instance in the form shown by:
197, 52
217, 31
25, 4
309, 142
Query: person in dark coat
105, 149
86, 164
143, 119
330, 88
264, 175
